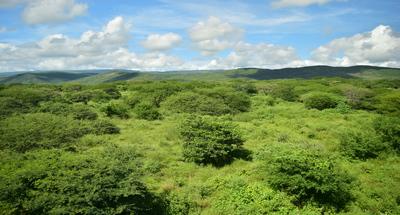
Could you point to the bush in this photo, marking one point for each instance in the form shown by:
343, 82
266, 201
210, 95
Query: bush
285, 92
388, 128
361, 145
147, 111
94, 182
389, 104
9, 106
39, 130
320, 101
116, 109
208, 140
239, 197
29, 96
190, 102
77, 111
100, 127
310, 176
236, 101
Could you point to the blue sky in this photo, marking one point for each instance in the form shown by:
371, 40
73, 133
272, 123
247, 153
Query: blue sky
208, 34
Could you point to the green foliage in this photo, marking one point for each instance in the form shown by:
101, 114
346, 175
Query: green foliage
236, 101
208, 140
80, 96
116, 108
77, 110
94, 182
190, 102
29, 96
40, 130
283, 91
389, 103
358, 98
320, 101
388, 128
361, 145
310, 176
100, 127
147, 111
238, 197
9, 106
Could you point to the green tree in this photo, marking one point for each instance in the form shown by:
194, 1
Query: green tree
320, 101
208, 140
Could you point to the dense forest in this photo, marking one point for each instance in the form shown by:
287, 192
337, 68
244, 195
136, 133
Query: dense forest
317, 146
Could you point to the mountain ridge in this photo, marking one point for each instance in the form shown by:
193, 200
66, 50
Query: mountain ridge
110, 75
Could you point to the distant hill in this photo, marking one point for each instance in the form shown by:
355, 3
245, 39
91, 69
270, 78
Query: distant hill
104, 76
44, 78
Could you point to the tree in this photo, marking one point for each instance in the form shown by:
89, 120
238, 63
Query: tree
361, 145
320, 101
310, 176
208, 140
103, 181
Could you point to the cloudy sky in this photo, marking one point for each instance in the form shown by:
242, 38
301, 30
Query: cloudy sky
190, 34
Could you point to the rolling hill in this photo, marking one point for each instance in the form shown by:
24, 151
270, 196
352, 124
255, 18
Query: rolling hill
104, 76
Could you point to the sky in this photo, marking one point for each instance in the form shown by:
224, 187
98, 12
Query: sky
192, 35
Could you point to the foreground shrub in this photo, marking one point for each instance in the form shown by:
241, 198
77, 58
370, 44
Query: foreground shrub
320, 101
388, 128
147, 111
105, 181
239, 197
39, 130
361, 145
208, 140
389, 104
236, 101
310, 176
43, 130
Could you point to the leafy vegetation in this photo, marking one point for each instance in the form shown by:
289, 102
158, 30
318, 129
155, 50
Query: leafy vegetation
219, 146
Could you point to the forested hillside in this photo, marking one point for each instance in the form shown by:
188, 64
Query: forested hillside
106, 76
238, 146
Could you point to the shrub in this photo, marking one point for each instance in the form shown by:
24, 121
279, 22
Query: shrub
285, 92
389, 103
190, 102
147, 111
236, 101
361, 145
93, 182
39, 130
100, 127
208, 140
9, 105
310, 176
29, 96
116, 109
239, 197
320, 101
358, 98
77, 111
388, 128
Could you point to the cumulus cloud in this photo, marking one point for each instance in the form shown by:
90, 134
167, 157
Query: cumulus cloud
260, 55
103, 49
157, 42
214, 35
297, 3
52, 11
379, 47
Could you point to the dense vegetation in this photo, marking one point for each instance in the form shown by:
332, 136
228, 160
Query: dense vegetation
318, 146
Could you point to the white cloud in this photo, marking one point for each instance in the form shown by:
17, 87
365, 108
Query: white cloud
379, 47
157, 42
103, 49
260, 55
297, 3
52, 11
214, 35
